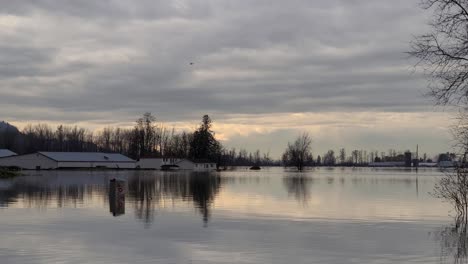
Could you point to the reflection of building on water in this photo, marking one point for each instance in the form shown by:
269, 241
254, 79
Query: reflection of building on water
33, 194
146, 191
117, 197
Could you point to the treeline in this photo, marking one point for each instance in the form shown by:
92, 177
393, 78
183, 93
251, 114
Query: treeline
364, 157
147, 138
232, 157
299, 154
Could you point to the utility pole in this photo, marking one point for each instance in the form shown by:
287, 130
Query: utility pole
417, 151
417, 165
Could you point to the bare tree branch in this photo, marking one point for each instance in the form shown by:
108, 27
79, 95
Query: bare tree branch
443, 53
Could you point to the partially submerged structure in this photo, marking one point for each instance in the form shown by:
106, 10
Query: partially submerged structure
68, 160
6, 153
155, 163
181, 164
197, 165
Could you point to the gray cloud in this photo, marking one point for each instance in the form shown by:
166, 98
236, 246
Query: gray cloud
109, 9
250, 57
115, 59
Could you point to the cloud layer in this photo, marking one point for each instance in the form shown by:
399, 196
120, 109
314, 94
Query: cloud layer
109, 61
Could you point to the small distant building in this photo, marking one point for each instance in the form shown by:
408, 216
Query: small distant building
447, 160
387, 164
408, 159
6, 153
197, 165
155, 163
447, 164
67, 160
428, 164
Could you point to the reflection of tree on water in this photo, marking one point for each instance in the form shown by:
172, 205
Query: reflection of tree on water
453, 187
8, 197
147, 191
150, 191
299, 186
143, 191
453, 242
203, 190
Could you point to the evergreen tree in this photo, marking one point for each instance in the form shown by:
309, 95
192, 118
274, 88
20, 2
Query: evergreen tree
204, 144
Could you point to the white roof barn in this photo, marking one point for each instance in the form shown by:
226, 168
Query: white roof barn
6, 153
86, 157
55, 160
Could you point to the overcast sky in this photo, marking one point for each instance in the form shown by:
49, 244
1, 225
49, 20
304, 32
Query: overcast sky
264, 70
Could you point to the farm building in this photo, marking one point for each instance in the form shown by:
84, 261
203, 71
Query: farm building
197, 165
57, 160
6, 153
155, 163
181, 164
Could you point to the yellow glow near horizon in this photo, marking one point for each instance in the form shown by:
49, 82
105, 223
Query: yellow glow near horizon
263, 123
331, 126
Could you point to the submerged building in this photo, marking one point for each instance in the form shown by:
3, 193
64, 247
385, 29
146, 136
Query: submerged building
155, 163
6, 153
175, 163
68, 160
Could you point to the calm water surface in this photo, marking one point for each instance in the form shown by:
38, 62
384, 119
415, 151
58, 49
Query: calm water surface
272, 216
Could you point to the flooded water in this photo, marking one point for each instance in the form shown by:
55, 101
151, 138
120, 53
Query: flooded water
323, 215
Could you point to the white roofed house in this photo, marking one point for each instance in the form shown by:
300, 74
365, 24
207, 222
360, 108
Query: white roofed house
67, 160
6, 153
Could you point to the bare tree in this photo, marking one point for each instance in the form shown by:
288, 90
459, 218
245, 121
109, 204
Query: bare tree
443, 52
329, 158
297, 153
453, 241
460, 134
266, 158
342, 156
355, 156
257, 158
453, 187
